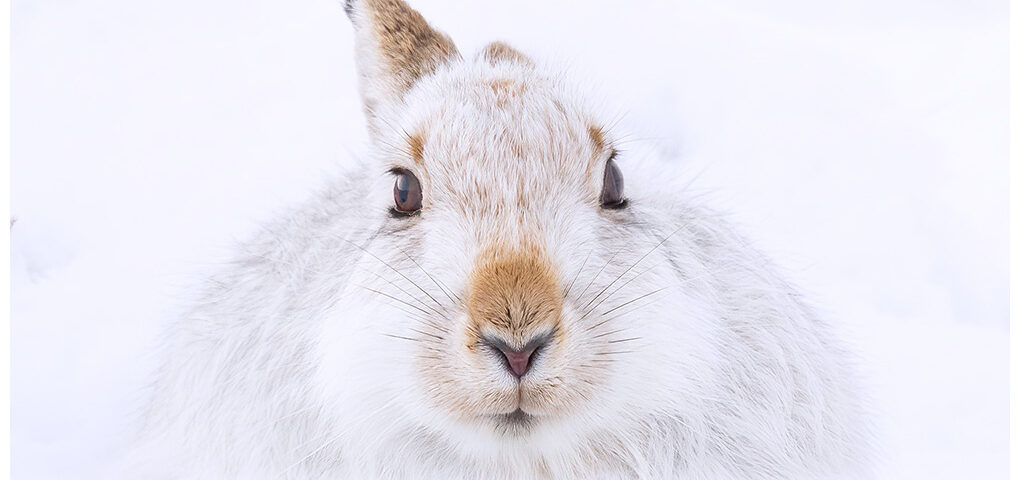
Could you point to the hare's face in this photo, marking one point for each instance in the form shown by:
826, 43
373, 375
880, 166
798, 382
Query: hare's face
514, 294
510, 178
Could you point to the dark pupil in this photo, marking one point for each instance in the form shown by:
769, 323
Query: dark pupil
403, 189
612, 185
407, 193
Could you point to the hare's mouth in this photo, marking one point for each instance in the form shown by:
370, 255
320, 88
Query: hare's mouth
517, 417
516, 421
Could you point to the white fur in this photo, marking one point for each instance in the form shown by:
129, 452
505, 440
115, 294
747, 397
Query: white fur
285, 367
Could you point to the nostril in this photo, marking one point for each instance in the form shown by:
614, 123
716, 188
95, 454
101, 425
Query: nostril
518, 360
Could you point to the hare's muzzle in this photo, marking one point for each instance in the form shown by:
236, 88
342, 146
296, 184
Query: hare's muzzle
515, 306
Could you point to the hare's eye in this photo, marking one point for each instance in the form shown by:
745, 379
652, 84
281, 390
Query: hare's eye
612, 187
406, 193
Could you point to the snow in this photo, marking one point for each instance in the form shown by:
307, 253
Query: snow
863, 144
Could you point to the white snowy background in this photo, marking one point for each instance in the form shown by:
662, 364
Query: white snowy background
863, 144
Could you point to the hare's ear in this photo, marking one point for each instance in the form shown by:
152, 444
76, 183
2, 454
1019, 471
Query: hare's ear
499, 52
394, 46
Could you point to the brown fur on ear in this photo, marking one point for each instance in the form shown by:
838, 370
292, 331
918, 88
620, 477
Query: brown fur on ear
407, 43
395, 47
499, 52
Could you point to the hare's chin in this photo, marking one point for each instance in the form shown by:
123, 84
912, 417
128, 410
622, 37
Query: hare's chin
515, 423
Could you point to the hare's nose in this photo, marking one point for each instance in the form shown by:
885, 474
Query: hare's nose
518, 360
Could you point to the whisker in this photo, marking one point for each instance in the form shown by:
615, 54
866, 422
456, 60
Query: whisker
603, 322
395, 270
405, 292
620, 315
622, 340
425, 320
613, 332
614, 317
437, 337
649, 252
442, 286
634, 300
578, 274
599, 273
617, 289
402, 337
391, 297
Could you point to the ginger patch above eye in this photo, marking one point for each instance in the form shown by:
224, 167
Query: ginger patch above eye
407, 195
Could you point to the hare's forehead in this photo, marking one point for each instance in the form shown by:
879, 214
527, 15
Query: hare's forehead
500, 125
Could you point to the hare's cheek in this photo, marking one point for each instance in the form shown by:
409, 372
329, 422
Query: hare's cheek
460, 381
359, 355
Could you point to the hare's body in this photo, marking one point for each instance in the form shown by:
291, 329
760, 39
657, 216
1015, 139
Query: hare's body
501, 321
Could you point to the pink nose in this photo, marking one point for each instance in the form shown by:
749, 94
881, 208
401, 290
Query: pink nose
518, 360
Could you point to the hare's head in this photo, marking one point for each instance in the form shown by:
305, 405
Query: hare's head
510, 288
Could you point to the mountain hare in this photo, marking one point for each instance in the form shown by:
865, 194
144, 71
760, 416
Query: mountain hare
485, 300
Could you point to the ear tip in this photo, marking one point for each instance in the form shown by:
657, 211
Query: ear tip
498, 52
